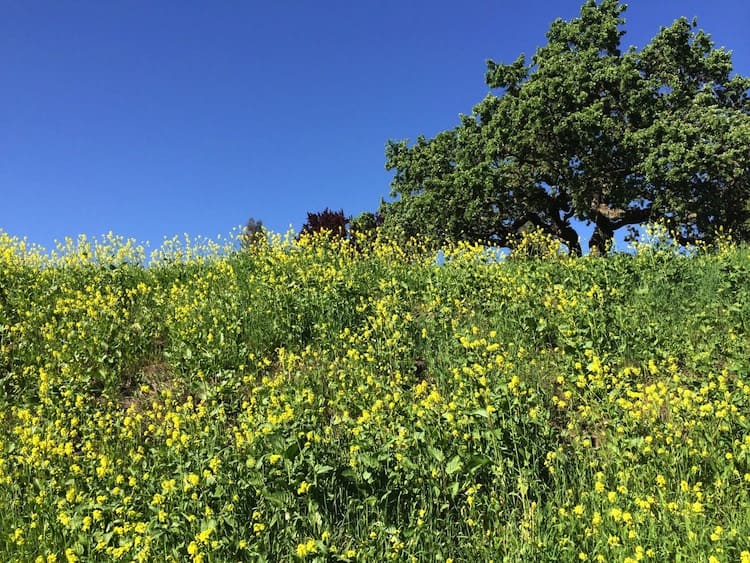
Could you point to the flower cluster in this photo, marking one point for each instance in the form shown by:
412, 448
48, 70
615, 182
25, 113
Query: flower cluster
314, 399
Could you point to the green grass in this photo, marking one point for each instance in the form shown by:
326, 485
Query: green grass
309, 400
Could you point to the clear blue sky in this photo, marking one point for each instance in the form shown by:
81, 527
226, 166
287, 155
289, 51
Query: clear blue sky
155, 118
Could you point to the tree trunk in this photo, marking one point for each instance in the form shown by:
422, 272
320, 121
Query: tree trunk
601, 239
570, 236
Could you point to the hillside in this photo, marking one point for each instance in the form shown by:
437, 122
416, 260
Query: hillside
310, 400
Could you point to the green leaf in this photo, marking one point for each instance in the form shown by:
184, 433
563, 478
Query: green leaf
476, 462
453, 489
277, 498
436, 453
454, 465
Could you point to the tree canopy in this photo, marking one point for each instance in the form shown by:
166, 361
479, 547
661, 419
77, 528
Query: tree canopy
335, 223
590, 132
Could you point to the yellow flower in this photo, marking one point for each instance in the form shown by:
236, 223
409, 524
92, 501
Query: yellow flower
64, 519
168, 485
18, 538
304, 549
190, 480
204, 535
304, 486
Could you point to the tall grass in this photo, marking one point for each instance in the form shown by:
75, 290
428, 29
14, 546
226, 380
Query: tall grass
313, 400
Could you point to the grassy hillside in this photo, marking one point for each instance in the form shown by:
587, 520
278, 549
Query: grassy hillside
310, 401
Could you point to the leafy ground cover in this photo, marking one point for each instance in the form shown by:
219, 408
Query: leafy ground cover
313, 400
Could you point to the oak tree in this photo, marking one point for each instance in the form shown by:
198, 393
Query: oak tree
587, 131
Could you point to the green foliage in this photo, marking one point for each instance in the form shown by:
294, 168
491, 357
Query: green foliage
587, 131
365, 226
311, 400
253, 235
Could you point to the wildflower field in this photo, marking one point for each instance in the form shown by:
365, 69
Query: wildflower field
312, 400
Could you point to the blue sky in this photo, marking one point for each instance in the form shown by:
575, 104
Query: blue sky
156, 118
